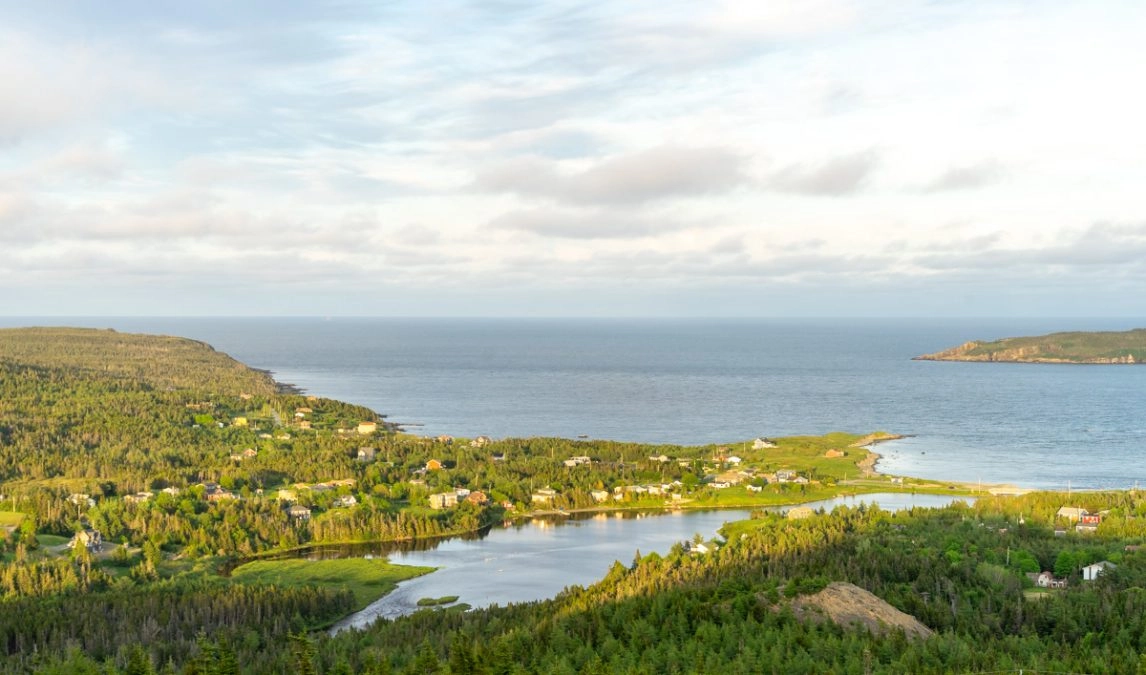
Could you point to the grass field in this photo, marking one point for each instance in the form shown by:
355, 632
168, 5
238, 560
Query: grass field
368, 580
11, 519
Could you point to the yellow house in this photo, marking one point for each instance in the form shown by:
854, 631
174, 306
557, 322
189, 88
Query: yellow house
367, 427
240, 421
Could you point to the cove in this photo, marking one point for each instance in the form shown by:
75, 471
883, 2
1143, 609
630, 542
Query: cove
535, 559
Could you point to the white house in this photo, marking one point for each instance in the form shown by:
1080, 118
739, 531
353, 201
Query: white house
1092, 572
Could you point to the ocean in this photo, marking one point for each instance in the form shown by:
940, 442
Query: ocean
715, 381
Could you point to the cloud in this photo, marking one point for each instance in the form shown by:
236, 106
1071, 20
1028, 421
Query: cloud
966, 177
659, 173
835, 177
585, 223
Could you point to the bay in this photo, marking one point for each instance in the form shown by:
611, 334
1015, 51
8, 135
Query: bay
715, 381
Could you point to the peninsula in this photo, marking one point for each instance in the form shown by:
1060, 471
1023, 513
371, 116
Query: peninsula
156, 494
1125, 347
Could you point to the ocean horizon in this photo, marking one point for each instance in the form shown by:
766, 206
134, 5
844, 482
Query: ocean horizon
699, 381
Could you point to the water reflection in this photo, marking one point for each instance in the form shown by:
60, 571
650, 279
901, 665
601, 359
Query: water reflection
535, 559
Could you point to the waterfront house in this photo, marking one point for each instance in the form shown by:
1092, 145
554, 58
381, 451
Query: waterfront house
477, 498
1092, 572
543, 496
599, 495
800, 512
762, 444
366, 428
480, 441
445, 440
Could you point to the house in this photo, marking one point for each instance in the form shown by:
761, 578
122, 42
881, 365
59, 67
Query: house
734, 460
443, 500
570, 463
543, 496
477, 498
1092, 572
446, 440
697, 548
599, 495
221, 495
762, 444
173, 491
299, 512
345, 501
720, 485
1071, 513
786, 476
800, 512
1088, 524
1048, 580
366, 454
90, 539
80, 499
367, 428
239, 421
480, 441
138, 497
755, 488
433, 465
660, 458
498, 457
250, 453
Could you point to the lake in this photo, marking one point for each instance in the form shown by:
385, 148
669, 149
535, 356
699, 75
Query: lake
536, 559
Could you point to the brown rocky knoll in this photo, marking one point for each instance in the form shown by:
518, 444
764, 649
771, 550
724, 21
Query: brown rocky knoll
845, 604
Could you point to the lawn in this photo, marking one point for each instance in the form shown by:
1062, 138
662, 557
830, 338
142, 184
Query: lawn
11, 519
368, 580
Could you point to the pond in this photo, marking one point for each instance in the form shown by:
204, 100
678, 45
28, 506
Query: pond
536, 559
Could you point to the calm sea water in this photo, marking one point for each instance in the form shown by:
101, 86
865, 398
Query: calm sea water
700, 381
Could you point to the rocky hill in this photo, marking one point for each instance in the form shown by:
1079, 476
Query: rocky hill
1126, 347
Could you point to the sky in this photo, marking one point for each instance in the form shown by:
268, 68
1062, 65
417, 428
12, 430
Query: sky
550, 158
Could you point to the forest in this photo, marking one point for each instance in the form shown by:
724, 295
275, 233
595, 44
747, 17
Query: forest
185, 462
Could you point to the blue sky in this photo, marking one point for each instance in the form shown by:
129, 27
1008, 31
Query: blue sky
802, 157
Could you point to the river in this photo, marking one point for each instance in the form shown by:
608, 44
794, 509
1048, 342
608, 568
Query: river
536, 559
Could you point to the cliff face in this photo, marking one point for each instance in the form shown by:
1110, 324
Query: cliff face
1127, 347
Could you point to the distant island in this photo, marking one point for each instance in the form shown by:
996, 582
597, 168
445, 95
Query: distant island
1127, 347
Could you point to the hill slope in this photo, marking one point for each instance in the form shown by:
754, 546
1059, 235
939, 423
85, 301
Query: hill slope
1126, 347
